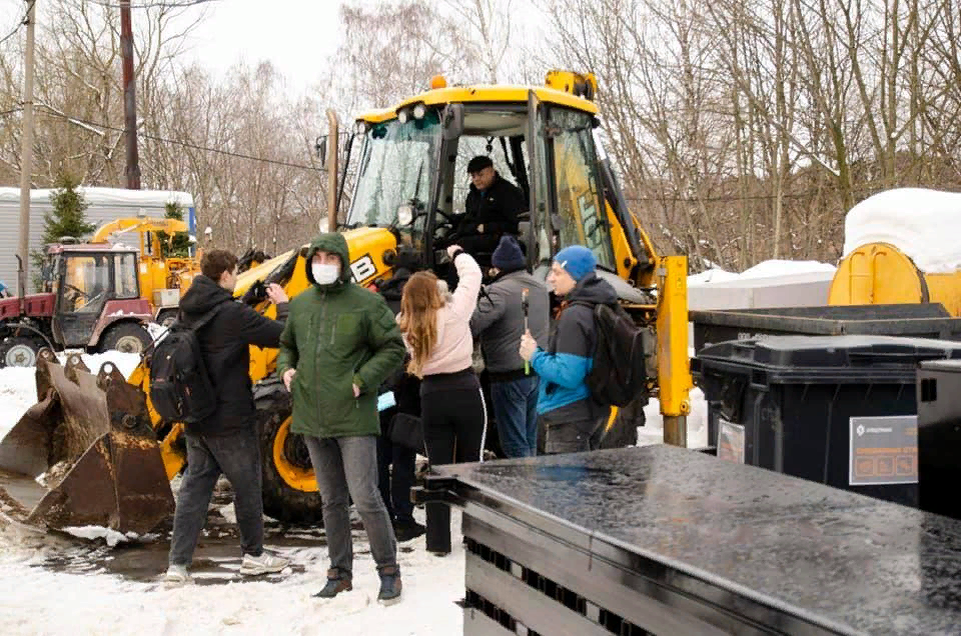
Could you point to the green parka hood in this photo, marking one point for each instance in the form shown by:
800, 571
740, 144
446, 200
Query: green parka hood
335, 243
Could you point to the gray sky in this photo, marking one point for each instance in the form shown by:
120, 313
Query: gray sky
297, 36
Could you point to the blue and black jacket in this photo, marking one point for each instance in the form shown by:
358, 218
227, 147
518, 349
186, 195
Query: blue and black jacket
563, 368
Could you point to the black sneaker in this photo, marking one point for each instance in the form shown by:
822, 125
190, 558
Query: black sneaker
389, 585
336, 583
407, 530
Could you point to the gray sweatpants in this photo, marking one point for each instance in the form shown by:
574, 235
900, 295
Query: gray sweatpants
237, 456
347, 467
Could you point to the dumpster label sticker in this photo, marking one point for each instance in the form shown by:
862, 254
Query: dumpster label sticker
730, 441
884, 450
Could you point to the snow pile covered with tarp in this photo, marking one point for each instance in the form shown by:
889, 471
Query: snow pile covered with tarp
924, 224
766, 269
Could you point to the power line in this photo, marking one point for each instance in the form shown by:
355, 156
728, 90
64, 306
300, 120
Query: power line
22, 21
185, 144
754, 197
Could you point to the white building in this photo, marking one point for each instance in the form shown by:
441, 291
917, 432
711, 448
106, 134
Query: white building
104, 204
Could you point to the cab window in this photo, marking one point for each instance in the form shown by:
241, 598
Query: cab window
577, 184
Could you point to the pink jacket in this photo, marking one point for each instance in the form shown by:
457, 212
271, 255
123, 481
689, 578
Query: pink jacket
454, 350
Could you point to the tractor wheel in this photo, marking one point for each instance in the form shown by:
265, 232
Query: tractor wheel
125, 337
166, 317
623, 432
290, 492
19, 351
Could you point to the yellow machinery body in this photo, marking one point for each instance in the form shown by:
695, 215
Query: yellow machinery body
880, 273
157, 274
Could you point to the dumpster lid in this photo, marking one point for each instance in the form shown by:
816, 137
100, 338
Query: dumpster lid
866, 354
843, 562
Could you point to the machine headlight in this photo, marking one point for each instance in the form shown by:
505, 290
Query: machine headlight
405, 214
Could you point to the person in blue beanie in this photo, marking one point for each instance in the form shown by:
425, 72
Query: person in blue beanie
569, 421
499, 323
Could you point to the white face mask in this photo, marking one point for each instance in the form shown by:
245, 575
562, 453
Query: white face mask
324, 273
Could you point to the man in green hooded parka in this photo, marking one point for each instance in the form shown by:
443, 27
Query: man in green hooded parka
340, 343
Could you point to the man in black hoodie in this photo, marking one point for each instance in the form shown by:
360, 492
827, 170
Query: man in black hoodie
227, 442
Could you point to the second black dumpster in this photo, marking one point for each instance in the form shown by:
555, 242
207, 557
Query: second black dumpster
839, 410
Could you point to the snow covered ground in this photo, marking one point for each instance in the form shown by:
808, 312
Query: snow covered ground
59, 584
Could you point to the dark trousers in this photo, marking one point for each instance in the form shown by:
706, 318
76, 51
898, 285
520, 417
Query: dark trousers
346, 468
395, 467
455, 424
570, 436
237, 457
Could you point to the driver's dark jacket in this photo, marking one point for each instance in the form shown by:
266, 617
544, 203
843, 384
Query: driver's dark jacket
496, 208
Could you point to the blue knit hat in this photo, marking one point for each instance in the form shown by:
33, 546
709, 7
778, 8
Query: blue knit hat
577, 260
508, 256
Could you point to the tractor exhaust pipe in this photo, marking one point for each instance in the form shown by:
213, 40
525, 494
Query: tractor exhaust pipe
22, 285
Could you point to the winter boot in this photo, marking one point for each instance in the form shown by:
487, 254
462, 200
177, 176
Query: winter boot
408, 529
389, 585
337, 582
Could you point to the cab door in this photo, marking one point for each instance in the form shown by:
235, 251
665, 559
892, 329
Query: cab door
539, 239
85, 286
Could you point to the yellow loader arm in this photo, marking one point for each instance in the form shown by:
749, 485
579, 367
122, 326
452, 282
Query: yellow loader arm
105, 231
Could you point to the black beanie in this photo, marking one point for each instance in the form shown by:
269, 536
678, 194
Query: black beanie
508, 256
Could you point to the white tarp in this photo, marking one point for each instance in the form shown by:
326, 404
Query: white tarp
924, 224
108, 196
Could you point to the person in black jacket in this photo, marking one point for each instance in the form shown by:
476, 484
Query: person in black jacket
490, 210
227, 442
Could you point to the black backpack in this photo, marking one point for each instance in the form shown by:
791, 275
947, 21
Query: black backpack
623, 357
180, 388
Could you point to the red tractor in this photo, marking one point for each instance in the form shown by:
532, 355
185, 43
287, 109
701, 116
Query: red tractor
91, 301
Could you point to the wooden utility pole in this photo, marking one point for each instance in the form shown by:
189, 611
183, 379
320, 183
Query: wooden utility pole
26, 155
129, 97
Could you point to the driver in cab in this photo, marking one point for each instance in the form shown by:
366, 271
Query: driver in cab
490, 210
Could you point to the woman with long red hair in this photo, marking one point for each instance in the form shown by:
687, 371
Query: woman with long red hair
436, 329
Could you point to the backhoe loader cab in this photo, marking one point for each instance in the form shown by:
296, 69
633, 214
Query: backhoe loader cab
412, 176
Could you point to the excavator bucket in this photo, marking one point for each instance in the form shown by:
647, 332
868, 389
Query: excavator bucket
84, 454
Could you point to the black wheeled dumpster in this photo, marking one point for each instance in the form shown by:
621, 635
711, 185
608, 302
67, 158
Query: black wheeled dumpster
665, 540
939, 436
839, 410
919, 320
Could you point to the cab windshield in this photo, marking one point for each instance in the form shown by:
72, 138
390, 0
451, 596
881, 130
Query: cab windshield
395, 172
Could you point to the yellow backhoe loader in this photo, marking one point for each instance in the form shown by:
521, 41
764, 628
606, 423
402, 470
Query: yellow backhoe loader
410, 181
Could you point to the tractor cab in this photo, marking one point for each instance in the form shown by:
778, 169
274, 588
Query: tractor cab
412, 172
93, 285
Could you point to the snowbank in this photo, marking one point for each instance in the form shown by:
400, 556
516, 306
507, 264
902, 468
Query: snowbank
92, 533
18, 385
922, 223
653, 430
765, 269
